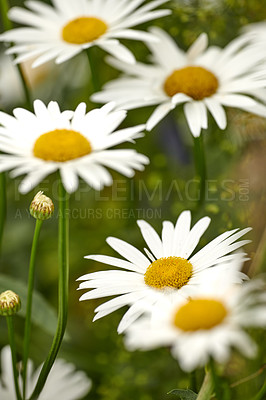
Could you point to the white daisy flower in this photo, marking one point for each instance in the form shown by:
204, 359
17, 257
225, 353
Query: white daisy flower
168, 266
75, 143
63, 383
62, 31
206, 325
204, 79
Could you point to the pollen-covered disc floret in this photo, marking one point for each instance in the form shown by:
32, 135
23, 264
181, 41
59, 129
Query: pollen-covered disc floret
173, 272
195, 82
10, 303
83, 30
200, 314
61, 145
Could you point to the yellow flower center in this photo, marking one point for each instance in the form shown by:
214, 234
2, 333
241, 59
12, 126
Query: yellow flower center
196, 82
61, 145
83, 30
172, 272
200, 314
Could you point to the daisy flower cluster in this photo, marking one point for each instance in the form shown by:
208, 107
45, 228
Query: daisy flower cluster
193, 301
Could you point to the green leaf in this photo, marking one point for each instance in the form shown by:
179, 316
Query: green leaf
43, 314
184, 394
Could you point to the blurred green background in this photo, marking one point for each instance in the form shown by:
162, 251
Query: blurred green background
235, 198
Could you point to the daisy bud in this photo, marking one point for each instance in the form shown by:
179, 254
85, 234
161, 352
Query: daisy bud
41, 207
9, 303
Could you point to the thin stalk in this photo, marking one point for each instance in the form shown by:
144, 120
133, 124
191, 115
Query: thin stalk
261, 394
27, 330
248, 378
200, 167
2, 205
207, 387
94, 70
4, 7
25, 87
193, 381
11, 337
7, 24
63, 247
215, 379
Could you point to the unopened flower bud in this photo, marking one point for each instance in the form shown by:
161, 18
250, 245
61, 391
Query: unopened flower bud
9, 303
41, 207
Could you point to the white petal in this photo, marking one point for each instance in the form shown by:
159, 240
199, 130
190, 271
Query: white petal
35, 177
69, 178
167, 238
129, 252
217, 111
151, 237
119, 51
198, 47
193, 116
194, 236
116, 262
182, 229
135, 311
236, 100
160, 112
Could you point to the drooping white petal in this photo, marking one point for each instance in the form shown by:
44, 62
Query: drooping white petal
69, 178
160, 112
193, 116
35, 177
217, 111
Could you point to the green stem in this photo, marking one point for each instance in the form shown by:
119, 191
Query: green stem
200, 167
193, 381
206, 389
7, 24
11, 337
2, 205
94, 70
63, 247
262, 392
26, 342
25, 87
215, 379
4, 7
